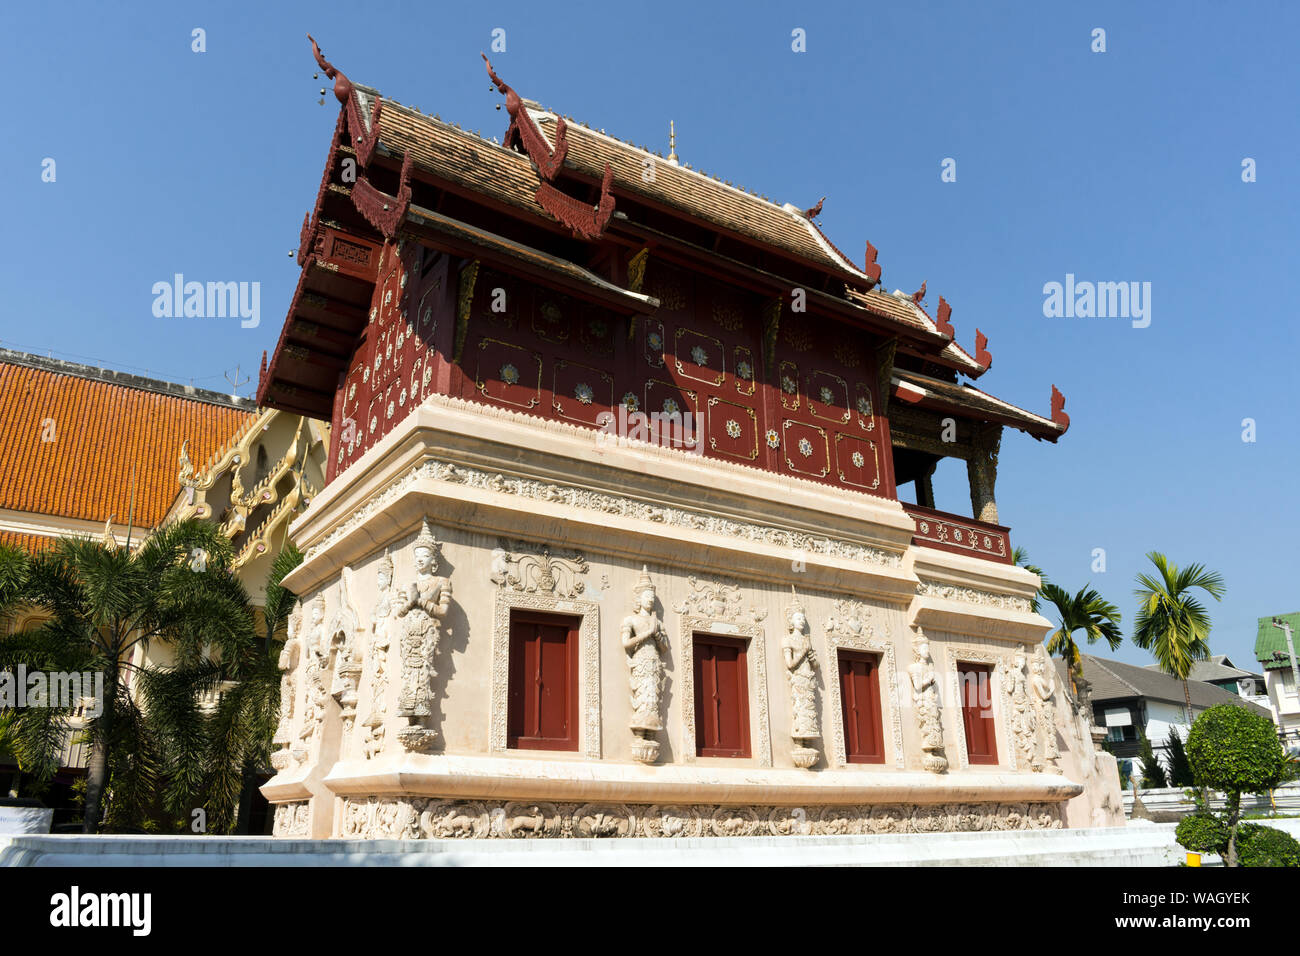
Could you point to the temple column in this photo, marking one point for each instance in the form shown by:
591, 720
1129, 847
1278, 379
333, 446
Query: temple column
925, 487
982, 471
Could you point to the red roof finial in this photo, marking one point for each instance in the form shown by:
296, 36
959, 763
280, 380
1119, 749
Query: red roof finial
942, 323
871, 269
982, 354
523, 131
342, 85
919, 294
815, 211
1058, 410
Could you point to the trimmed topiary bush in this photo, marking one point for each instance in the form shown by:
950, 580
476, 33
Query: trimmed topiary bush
1236, 751
1266, 846
1202, 833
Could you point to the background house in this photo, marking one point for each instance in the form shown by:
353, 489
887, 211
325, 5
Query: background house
1128, 699
1280, 685
1222, 673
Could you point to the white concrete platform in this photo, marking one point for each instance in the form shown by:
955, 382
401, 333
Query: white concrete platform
1147, 845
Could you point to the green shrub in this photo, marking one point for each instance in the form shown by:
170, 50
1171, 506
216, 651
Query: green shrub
1202, 833
1266, 846
1153, 775
1234, 750
1180, 770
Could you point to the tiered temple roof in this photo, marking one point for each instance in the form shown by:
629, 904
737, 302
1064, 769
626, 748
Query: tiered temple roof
413, 162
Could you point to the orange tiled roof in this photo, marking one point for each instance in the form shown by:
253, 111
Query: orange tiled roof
101, 428
31, 543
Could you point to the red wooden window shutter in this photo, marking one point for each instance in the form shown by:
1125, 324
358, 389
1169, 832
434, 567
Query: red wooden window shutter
721, 697
977, 713
543, 704
860, 703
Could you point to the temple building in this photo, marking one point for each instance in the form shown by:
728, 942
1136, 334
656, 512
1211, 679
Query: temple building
610, 542
92, 452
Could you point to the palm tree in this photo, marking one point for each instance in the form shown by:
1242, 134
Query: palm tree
1171, 623
102, 601
1020, 558
1087, 611
239, 734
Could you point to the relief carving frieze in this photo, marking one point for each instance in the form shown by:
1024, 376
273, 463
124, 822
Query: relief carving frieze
588, 500
540, 573
413, 818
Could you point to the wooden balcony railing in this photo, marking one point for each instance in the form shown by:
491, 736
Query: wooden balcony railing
938, 529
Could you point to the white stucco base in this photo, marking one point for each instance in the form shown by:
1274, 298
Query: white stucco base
1151, 845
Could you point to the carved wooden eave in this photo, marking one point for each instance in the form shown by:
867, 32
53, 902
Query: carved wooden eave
472, 242
854, 311
384, 212
258, 541
968, 402
328, 310
244, 502
235, 453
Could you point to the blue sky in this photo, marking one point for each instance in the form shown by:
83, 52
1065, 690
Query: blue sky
1115, 166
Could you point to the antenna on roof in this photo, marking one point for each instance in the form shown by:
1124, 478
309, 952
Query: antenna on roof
672, 143
234, 381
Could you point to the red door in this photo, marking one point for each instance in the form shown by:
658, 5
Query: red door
543, 704
977, 714
721, 697
860, 702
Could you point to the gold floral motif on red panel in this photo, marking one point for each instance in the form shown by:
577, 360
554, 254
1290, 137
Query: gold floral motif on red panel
744, 369
700, 357
728, 316
580, 393
789, 385
733, 429
828, 397
796, 336
654, 343
551, 321
862, 405
807, 450
848, 354
858, 461
507, 373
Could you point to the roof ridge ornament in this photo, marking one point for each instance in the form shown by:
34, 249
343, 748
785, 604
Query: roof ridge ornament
982, 354
815, 211
1058, 410
524, 132
342, 85
871, 269
941, 321
363, 139
919, 294
584, 220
